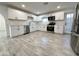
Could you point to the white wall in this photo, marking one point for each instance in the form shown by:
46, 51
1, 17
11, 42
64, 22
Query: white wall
2, 23
2, 26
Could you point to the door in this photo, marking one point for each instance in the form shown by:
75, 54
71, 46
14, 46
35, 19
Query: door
3, 32
68, 22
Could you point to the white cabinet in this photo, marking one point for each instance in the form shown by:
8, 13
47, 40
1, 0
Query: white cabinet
16, 14
13, 31
59, 19
59, 27
11, 13
33, 26
59, 16
16, 30
37, 25
21, 30
18, 22
43, 28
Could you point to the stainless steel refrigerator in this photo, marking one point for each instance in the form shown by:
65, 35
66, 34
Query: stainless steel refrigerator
75, 32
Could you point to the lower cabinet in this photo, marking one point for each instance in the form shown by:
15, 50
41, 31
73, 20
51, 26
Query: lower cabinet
40, 28
59, 27
43, 28
33, 27
16, 30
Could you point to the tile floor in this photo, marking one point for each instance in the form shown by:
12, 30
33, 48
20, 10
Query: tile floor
37, 44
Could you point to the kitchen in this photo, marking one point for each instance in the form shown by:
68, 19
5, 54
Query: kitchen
31, 29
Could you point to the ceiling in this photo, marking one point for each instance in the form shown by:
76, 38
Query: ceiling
39, 8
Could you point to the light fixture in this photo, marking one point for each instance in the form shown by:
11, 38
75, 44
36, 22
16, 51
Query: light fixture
58, 7
23, 5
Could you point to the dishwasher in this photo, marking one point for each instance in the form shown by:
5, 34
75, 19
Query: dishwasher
26, 29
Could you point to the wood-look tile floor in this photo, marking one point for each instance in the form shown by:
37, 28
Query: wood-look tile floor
37, 44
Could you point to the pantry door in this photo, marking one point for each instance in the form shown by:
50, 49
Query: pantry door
2, 27
68, 22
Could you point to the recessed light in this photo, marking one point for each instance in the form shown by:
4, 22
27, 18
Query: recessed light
23, 5
58, 7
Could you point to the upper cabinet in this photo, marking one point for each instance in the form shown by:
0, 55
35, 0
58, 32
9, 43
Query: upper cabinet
58, 15
16, 14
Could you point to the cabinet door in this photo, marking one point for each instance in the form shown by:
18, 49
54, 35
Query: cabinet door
32, 27
21, 30
16, 14
59, 27
21, 15
14, 31
43, 28
12, 14
56, 29
59, 16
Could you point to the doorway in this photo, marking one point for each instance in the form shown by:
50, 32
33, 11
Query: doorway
2, 27
68, 22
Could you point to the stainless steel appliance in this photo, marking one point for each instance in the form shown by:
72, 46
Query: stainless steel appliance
75, 32
50, 26
26, 29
